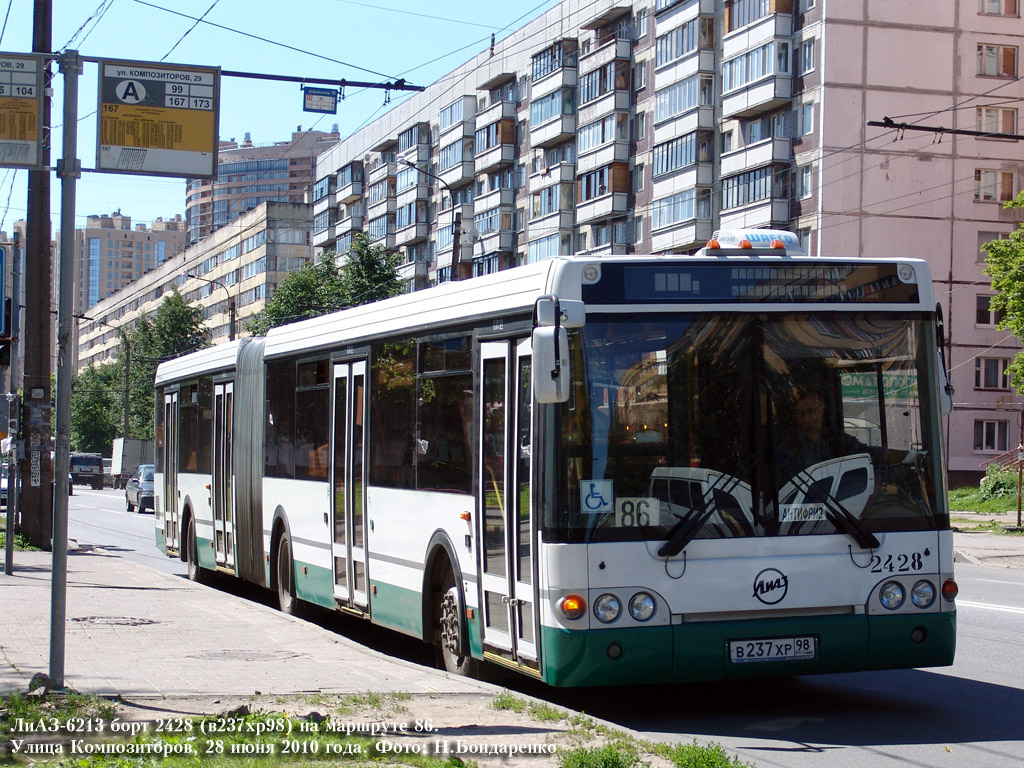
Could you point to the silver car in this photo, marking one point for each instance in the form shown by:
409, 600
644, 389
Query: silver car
138, 491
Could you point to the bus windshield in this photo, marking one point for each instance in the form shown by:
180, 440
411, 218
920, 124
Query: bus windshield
697, 426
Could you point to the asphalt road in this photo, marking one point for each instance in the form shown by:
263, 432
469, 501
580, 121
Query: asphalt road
965, 715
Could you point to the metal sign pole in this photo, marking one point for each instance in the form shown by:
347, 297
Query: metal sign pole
68, 169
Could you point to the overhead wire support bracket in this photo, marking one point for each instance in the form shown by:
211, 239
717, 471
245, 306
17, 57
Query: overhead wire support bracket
888, 122
396, 85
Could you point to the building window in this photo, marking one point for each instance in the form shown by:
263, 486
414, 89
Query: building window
997, 60
638, 178
641, 23
991, 435
591, 185
806, 57
993, 186
743, 12
990, 373
450, 115
694, 34
983, 312
807, 5
751, 187
806, 125
987, 237
612, 76
682, 152
682, 96
997, 7
805, 182
769, 59
996, 119
683, 206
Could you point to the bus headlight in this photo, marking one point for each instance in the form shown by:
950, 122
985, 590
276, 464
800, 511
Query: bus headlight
607, 608
573, 606
891, 595
641, 606
923, 594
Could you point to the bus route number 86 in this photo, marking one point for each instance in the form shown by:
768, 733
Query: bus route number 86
633, 512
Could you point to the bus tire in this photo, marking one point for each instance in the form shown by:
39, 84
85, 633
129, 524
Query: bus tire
195, 572
285, 577
453, 638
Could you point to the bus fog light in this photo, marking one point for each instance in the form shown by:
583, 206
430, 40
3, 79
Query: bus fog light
641, 606
614, 651
918, 635
607, 608
923, 594
891, 595
573, 606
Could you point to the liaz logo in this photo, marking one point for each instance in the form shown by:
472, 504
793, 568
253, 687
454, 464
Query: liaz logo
771, 586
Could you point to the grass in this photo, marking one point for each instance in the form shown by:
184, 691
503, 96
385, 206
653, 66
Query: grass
620, 749
971, 500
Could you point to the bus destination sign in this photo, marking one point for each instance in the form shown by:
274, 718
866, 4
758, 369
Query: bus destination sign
158, 119
21, 109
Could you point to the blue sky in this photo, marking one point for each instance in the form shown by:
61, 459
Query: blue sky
362, 41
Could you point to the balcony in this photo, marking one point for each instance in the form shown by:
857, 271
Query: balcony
616, 100
680, 69
775, 25
353, 223
701, 118
554, 174
615, 48
416, 193
413, 271
606, 206
495, 157
461, 173
554, 131
413, 233
683, 237
446, 218
499, 110
350, 192
560, 222
564, 77
766, 152
323, 237
605, 154
503, 241
385, 205
764, 95
772, 212
696, 175
381, 171
494, 199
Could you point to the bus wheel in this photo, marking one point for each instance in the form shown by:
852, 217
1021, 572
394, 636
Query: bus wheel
286, 599
453, 642
195, 573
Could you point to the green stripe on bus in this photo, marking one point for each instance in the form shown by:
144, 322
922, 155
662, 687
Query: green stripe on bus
314, 584
397, 608
204, 551
699, 651
161, 540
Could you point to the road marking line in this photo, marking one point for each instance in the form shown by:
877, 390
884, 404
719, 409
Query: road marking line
990, 606
994, 581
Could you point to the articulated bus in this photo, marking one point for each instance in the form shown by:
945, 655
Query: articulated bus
589, 469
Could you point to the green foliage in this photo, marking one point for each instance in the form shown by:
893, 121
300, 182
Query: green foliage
20, 542
608, 756
695, 756
97, 392
998, 483
368, 274
1005, 265
59, 706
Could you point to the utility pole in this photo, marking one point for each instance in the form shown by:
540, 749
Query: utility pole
36, 472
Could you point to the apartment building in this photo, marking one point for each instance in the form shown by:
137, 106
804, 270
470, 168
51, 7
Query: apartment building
110, 254
230, 274
610, 127
249, 174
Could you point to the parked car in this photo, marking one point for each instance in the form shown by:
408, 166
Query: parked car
87, 469
138, 491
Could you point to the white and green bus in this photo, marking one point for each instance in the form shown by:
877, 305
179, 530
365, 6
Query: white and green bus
586, 469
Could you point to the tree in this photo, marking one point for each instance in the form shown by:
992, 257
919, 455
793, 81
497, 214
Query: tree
1005, 265
370, 273
96, 415
97, 394
311, 291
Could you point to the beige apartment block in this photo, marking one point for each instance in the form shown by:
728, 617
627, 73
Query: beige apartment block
237, 267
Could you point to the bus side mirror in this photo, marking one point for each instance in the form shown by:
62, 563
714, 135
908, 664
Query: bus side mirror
551, 364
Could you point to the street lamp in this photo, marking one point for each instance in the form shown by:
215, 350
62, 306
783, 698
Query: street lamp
457, 223
231, 301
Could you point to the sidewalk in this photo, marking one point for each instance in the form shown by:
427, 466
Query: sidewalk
978, 548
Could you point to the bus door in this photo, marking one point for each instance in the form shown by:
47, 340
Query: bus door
222, 492
347, 485
170, 489
508, 583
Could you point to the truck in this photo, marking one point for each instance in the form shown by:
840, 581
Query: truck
128, 453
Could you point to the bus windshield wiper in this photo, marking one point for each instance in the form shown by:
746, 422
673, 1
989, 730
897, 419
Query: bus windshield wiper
839, 515
684, 531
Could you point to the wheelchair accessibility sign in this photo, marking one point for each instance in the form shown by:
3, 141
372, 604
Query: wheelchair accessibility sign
596, 497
